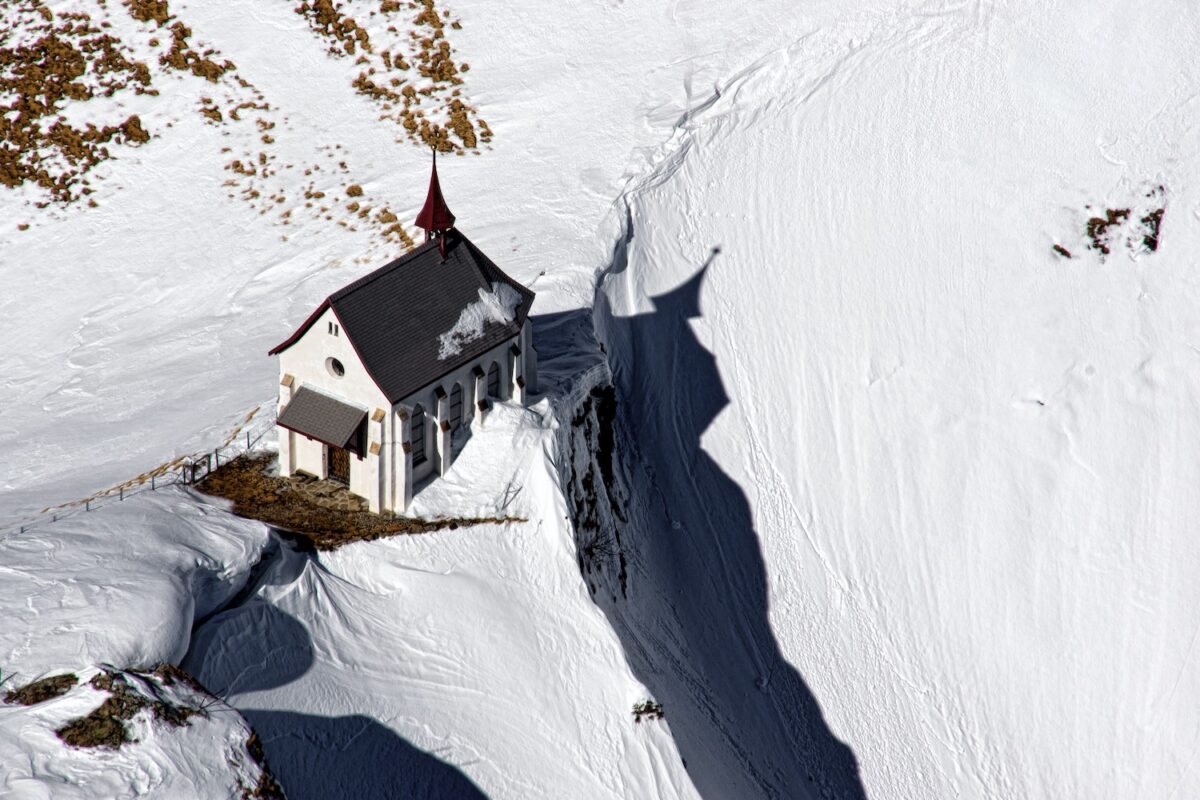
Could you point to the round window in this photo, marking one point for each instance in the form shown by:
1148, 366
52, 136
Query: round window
335, 367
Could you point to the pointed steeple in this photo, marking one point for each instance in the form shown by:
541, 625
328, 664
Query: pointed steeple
435, 216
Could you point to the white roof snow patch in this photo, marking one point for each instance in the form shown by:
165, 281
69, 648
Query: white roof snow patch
499, 306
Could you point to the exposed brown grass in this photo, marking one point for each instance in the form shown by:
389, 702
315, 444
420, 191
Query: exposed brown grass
182, 56
50, 61
427, 105
1097, 228
42, 690
105, 726
149, 11
279, 502
72, 60
267, 787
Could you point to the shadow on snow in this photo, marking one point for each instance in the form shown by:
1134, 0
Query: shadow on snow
253, 646
695, 622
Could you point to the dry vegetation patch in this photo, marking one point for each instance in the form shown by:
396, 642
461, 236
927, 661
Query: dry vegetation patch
1135, 225
284, 503
52, 61
416, 80
149, 11
105, 726
182, 56
47, 63
267, 787
42, 690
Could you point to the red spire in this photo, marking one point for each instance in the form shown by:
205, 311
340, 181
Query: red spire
435, 216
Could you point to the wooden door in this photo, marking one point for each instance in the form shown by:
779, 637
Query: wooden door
339, 465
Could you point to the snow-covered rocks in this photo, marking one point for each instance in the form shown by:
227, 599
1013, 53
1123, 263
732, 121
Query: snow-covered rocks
121, 586
114, 733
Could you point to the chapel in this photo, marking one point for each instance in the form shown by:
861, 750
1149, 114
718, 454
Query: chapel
380, 385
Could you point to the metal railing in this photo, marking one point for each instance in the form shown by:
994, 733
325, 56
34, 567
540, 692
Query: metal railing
185, 470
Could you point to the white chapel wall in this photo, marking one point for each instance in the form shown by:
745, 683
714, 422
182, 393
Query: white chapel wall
306, 362
464, 375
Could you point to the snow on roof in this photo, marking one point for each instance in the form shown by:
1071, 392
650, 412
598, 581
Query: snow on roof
496, 306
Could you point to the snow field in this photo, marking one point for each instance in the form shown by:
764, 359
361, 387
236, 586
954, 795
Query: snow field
935, 480
965, 459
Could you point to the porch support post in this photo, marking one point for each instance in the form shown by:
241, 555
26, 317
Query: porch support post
287, 439
323, 467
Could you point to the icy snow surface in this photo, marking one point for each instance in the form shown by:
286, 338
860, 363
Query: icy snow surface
496, 306
908, 495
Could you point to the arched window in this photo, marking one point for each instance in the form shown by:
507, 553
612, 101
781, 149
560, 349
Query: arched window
456, 403
494, 380
417, 435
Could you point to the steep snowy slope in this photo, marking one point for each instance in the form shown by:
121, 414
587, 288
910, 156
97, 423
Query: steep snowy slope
141, 324
893, 451
905, 492
478, 646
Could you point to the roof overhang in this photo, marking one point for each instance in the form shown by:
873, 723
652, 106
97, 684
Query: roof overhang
324, 418
295, 337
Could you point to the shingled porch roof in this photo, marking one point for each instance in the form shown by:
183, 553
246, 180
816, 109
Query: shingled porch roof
324, 418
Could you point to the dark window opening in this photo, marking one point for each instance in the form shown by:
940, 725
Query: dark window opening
493, 380
417, 435
456, 406
335, 367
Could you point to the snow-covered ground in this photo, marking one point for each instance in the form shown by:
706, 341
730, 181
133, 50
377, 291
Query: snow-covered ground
208, 757
898, 452
467, 663
906, 493
120, 586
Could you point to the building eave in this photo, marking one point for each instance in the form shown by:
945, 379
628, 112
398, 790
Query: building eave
295, 337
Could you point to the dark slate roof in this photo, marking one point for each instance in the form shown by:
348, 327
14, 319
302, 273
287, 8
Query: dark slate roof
323, 418
394, 315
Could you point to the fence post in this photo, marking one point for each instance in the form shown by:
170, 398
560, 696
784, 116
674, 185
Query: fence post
152, 486
247, 441
87, 505
121, 489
